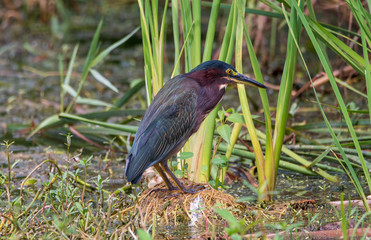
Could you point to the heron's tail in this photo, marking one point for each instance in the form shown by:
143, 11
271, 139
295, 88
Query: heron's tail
131, 175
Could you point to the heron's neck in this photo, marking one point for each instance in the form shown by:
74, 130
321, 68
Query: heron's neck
211, 96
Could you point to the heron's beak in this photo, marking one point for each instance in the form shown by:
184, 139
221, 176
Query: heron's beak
239, 78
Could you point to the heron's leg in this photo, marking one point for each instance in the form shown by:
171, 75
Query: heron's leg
176, 181
164, 177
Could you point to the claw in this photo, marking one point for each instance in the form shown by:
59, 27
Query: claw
161, 189
184, 190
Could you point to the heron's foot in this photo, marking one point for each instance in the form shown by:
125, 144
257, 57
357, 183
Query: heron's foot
162, 189
186, 191
193, 190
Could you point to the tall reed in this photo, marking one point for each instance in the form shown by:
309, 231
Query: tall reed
187, 15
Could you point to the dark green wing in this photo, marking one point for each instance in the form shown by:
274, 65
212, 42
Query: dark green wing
171, 124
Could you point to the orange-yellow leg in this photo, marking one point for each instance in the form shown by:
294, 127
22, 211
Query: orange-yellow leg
165, 167
164, 177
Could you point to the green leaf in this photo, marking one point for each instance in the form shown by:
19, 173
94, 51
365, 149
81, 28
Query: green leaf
221, 114
235, 226
221, 161
185, 155
236, 118
79, 207
225, 214
225, 132
100, 78
30, 181
105, 52
236, 236
143, 235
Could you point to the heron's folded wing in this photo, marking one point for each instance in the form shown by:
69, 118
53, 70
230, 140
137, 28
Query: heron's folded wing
171, 128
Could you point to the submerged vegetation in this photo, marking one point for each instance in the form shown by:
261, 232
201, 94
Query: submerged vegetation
315, 120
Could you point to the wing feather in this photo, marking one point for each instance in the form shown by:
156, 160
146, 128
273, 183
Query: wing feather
163, 132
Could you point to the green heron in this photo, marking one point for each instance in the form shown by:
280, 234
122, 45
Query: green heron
177, 112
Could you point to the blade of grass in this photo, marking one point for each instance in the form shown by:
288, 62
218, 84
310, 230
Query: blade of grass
181, 51
196, 40
282, 164
127, 96
68, 77
229, 32
160, 49
208, 126
320, 157
206, 131
186, 14
260, 161
363, 18
340, 48
93, 102
102, 115
326, 65
191, 19
209, 123
247, 10
367, 74
99, 58
100, 131
92, 51
70, 67
61, 73
51, 121
367, 70
301, 160
231, 44
149, 68
269, 167
121, 127
175, 18
100, 78
284, 96
353, 89
211, 30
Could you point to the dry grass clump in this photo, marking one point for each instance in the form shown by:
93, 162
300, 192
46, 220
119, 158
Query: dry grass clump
175, 207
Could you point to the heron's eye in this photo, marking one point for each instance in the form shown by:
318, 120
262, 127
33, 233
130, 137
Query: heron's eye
229, 71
